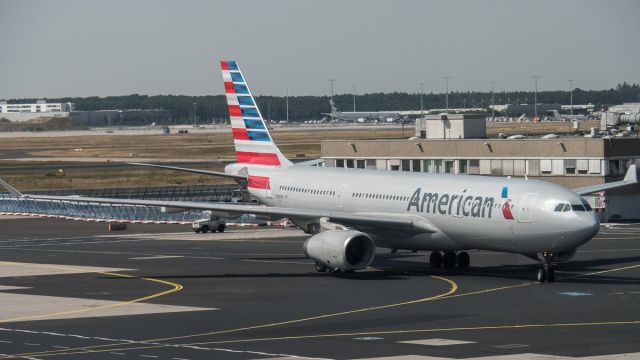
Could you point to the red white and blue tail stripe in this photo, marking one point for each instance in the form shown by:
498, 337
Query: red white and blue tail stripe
254, 145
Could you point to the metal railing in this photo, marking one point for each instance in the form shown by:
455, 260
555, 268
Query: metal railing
126, 213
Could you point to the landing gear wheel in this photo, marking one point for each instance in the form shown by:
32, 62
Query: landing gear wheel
205, 229
463, 260
551, 275
449, 260
221, 228
320, 268
541, 276
435, 260
197, 231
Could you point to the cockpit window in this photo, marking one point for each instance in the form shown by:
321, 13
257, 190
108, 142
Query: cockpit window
586, 205
577, 207
562, 207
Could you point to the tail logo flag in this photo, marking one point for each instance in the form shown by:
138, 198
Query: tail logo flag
253, 143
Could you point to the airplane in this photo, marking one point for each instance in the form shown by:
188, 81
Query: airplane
555, 114
350, 212
362, 116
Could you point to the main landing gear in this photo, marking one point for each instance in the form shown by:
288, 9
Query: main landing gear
546, 272
449, 259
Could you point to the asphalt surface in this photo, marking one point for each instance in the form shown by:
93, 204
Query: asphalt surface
251, 294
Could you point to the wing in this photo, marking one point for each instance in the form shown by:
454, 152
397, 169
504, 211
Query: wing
630, 178
401, 223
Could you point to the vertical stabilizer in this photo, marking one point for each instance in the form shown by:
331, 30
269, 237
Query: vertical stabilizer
254, 145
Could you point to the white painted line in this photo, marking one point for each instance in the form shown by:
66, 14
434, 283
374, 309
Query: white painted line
6, 342
117, 353
105, 339
156, 257
437, 342
149, 356
32, 344
511, 346
52, 333
61, 347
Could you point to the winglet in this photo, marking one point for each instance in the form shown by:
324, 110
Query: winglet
11, 189
631, 174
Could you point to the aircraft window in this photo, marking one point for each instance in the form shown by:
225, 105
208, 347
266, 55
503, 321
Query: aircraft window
567, 207
586, 205
559, 207
577, 207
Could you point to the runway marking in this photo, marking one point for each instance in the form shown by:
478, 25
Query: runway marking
175, 288
511, 346
574, 293
418, 331
90, 349
436, 342
156, 257
498, 327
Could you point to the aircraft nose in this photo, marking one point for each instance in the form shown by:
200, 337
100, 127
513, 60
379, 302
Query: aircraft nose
588, 226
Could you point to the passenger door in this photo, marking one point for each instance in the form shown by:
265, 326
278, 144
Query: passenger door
526, 207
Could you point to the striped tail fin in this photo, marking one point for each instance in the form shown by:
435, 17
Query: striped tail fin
254, 145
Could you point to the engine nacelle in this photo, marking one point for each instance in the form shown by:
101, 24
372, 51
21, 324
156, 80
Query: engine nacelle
341, 249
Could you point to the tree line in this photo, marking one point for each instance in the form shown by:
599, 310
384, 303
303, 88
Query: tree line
212, 108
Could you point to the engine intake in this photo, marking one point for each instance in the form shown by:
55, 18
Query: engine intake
341, 249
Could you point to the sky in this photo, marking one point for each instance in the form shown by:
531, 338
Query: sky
58, 48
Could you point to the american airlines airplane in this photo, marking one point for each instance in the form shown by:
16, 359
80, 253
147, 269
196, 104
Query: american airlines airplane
350, 212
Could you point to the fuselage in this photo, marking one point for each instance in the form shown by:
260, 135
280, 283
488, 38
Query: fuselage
470, 212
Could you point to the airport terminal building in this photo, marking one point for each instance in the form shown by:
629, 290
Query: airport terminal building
569, 161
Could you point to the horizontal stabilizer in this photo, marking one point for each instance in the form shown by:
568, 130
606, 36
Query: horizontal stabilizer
310, 162
11, 189
195, 171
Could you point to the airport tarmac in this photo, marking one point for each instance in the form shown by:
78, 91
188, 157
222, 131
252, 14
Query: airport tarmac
73, 290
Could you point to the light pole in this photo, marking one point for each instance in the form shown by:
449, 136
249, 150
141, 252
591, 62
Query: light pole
421, 100
287, 97
332, 81
535, 95
194, 114
571, 92
446, 78
354, 98
492, 103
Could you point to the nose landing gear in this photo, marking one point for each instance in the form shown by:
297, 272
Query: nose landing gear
546, 272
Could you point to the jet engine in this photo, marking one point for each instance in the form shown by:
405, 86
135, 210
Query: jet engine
344, 250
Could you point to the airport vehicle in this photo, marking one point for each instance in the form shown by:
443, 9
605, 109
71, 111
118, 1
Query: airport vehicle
209, 222
350, 212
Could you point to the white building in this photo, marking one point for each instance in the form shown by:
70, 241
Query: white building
39, 106
26, 112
